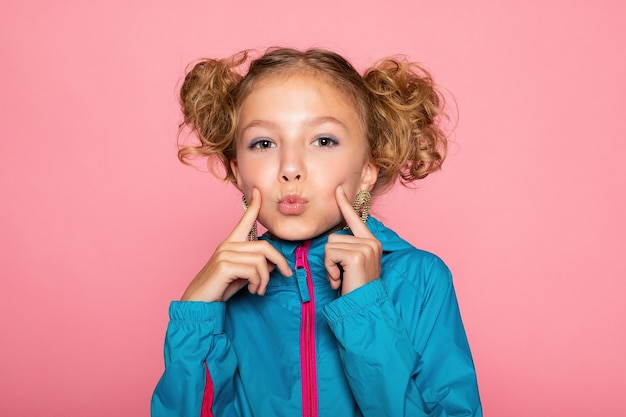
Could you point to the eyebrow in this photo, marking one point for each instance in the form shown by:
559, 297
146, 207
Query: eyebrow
324, 119
259, 123
315, 121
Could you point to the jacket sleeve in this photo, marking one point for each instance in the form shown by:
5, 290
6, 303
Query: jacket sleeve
406, 355
195, 342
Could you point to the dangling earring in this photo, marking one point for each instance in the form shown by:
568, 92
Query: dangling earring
362, 204
253, 232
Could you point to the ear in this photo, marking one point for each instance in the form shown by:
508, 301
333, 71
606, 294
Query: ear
369, 175
235, 168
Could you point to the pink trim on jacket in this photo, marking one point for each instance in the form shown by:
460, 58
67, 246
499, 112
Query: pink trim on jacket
307, 339
207, 399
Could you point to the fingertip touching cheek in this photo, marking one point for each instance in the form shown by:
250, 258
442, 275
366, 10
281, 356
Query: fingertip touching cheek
298, 139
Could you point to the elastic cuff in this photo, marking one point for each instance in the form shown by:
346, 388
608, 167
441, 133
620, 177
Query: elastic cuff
211, 314
370, 293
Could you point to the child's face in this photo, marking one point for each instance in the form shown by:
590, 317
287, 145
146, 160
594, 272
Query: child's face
298, 139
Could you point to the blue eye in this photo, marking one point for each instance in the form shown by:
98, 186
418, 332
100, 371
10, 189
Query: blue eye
325, 141
262, 144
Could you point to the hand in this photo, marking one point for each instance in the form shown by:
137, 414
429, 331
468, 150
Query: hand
237, 262
355, 260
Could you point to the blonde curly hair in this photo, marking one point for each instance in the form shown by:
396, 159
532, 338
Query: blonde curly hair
398, 104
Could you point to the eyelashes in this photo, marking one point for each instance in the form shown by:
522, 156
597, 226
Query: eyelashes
261, 143
322, 141
325, 141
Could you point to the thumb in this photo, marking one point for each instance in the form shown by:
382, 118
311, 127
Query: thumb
241, 230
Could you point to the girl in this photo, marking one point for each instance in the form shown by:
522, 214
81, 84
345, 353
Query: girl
341, 317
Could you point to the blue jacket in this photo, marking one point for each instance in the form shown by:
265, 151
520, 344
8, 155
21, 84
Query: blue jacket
394, 347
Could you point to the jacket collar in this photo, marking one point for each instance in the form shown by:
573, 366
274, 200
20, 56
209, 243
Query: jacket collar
388, 238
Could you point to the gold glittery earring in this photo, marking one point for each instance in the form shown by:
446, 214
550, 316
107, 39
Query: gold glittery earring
253, 232
362, 204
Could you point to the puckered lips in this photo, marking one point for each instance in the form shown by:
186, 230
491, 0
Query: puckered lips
291, 204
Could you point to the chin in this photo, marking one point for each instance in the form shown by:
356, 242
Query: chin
299, 228
293, 236
294, 233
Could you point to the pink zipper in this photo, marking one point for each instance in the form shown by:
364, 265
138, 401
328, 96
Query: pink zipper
307, 336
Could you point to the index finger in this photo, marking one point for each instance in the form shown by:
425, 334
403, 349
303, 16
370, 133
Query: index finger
359, 229
241, 230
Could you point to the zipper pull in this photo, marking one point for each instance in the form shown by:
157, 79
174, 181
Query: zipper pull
299, 257
301, 272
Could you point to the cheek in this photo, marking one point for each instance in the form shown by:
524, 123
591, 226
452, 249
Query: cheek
351, 181
263, 181
249, 174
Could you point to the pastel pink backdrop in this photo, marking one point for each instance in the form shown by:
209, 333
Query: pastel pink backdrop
100, 226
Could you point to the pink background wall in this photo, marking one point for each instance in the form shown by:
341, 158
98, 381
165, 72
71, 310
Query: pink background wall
100, 226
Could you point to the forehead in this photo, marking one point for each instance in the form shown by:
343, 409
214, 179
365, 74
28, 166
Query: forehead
310, 78
308, 92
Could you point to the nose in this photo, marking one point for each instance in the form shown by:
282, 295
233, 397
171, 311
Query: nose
292, 166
